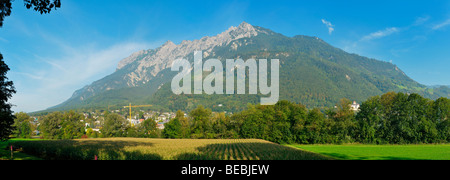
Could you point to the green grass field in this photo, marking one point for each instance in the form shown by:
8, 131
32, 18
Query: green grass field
162, 149
381, 152
5, 152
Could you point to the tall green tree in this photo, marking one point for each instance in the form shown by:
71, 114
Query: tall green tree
6, 91
147, 128
51, 124
114, 126
201, 123
185, 124
315, 126
344, 121
298, 120
388, 116
369, 121
252, 122
72, 126
172, 129
440, 114
219, 126
282, 120
22, 124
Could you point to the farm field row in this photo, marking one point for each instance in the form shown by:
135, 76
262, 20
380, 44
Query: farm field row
381, 152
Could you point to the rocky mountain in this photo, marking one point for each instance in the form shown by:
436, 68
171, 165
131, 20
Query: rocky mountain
143, 66
312, 72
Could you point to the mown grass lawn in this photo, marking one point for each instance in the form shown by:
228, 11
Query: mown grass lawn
382, 152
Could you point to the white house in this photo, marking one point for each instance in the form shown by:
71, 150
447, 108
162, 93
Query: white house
160, 126
354, 106
134, 121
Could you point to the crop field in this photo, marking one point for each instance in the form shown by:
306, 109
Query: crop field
162, 149
5, 152
382, 152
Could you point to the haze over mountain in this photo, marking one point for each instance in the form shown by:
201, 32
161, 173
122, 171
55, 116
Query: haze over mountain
312, 72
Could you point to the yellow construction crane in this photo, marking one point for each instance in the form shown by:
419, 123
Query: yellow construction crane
130, 106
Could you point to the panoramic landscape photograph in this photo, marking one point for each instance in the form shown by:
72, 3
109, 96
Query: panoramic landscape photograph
199, 81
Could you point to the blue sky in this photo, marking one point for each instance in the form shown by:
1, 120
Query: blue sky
53, 55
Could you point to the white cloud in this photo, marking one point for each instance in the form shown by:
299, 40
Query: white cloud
37, 76
380, 34
4, 40
82, 64
329, 26
421, 20
441, 25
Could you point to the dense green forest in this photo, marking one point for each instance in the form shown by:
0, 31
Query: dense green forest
392, 118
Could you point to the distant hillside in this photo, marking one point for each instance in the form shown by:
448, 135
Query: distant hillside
312, 72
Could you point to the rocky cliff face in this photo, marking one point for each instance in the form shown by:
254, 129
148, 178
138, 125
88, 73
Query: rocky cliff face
151, 62
141, 67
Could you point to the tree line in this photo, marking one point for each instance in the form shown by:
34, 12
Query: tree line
73, 125
392, 118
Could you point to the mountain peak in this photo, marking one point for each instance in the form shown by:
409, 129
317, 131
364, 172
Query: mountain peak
130, 59
168, 45
166, 51
243, 30
245, 25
